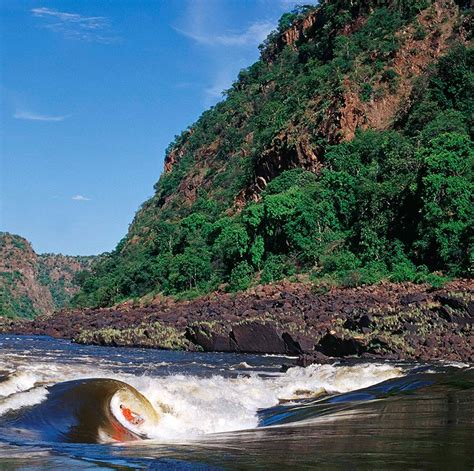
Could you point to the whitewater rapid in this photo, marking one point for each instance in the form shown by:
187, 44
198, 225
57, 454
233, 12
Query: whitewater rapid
190, 406
60, 409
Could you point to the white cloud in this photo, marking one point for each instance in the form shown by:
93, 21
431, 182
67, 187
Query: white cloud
290, 4
80, 198
204, 21
251, 36
88, 22
222, 81
76, 26
229, 43
216, 90
28, 115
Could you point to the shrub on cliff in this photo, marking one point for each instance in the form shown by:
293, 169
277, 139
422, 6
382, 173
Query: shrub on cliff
393, 204
445, 230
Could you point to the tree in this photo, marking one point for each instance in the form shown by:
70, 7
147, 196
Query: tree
446, 190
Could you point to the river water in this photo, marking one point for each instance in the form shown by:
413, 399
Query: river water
60, 408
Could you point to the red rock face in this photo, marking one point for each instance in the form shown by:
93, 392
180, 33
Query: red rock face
296, 32
27, 279
61, 270
410, 61
175, 155
292, 147
19, 263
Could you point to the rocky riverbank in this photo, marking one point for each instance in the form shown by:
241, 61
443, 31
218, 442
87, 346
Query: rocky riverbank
391, 321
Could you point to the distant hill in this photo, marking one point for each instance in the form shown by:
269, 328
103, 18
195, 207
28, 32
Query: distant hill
32, 284
344, 154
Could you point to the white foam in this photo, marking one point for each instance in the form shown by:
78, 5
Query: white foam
194, 406
17, 382
243, 365
23, 399
455, 364
190, 406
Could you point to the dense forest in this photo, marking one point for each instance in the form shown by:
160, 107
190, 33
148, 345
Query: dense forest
32, 284
344, 154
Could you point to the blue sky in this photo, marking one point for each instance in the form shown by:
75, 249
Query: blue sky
92, 92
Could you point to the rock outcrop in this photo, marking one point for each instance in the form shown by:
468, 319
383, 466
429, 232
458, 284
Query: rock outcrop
396, 321
21, 292
32, 284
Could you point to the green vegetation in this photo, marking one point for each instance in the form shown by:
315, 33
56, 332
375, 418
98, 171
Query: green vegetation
389, 205
31, 284
153, 335
62, 275
11, 304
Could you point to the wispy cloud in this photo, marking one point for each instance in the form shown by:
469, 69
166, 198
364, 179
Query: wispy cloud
290, 4
251, 36
80, 198
222, 81
229, 41
204, 21
76, 26
29, 115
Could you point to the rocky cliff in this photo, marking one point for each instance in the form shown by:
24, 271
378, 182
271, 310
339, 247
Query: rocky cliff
32, 284
323, 158
371, 94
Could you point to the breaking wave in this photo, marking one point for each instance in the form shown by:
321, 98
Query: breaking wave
170, 408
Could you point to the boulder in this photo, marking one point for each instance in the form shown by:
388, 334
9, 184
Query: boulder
470, 309
208, 340
255, 337
292, 345
311, 358
365, 321
452, 302
297, 344
412, 299
362, 324
334, 345
452, 316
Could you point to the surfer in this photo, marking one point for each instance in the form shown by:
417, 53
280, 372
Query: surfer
131, 416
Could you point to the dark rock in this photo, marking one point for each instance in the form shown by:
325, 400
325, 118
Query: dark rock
334, 345
208, 340
453, 303
363, 324
464, 320
201, 336
411, 328
412, 298
292, 346
443, 313
454, 317
470, 309
379, 346
222, 343
391, 356
254, 337
365, 321
350, 324
311, 358
371, 356
297, 344
448, 326
431, 341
